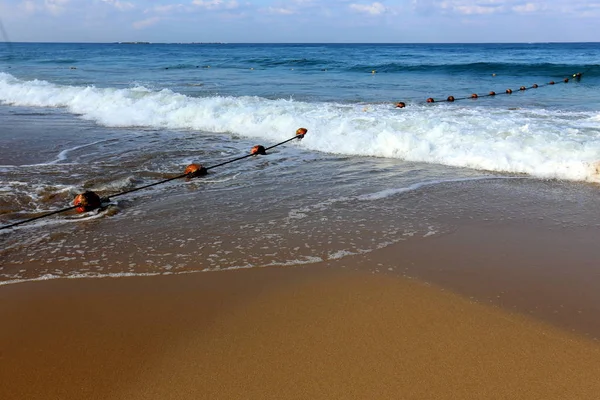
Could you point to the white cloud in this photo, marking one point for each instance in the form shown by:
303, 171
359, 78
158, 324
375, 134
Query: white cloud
331, 20
29, 6
477, 9
120, 5
166, 9
216, 4
581, 8
280, 11
527, 8
483, 7
574, 8
587, 10
55, 6
373, 9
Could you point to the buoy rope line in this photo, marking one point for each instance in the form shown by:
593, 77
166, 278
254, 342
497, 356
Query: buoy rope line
89, 200
450, 99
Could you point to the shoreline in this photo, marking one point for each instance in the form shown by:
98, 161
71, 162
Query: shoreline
536, 263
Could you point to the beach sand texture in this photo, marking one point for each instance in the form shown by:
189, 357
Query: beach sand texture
334, 330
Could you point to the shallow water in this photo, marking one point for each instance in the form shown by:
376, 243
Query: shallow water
367, 175
290, 207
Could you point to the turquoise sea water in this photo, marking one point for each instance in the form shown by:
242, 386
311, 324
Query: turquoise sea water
110, 117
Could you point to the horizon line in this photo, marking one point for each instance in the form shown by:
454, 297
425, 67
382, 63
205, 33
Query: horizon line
292, 43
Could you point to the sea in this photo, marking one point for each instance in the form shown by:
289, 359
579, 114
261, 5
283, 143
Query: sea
112, 117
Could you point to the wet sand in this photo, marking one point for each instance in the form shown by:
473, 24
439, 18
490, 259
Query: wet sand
348, 328
549, 274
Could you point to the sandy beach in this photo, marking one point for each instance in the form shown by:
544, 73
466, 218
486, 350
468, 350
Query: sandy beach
353, 328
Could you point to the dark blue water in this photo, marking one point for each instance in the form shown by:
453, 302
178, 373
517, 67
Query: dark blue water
308, 72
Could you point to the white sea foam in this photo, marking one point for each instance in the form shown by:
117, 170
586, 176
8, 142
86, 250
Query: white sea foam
48, 277
97, 275
416, 186
62, 156
303, 212
539, 142
87, 216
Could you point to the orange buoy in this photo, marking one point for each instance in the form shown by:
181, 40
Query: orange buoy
474, 96
86, 201
195, 170
551, 83
509, 91
450, 99
400, 104
566, 80
522, 88
301, 132
258, 149
492, 93
535, 86
430, 100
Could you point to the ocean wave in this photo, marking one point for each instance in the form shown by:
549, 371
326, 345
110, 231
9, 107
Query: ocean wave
539, 142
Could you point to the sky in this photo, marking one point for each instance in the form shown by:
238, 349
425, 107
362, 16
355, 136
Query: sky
300, 21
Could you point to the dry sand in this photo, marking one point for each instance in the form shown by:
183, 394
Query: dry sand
279, 333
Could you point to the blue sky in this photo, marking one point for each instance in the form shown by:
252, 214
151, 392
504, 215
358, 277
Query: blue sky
276, 21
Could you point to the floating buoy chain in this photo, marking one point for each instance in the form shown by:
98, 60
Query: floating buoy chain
89, 200
451, 99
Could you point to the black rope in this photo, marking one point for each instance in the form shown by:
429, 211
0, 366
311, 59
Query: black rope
107, 199
230, 161
144, 187
250, 155
38, 217
576, 77
285, 141
207, 168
